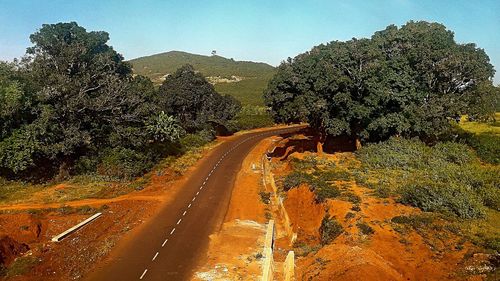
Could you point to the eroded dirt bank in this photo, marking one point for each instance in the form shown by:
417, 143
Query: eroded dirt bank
376, 240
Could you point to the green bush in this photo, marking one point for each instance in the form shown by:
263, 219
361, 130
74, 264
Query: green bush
251, 117
295, 179
396, 153
265, 197
352, 197
309, 162
486, 146
364, 228
252, 121
322, 190
452, 152
124, 163
86, 165
329, 230
335, 174
326, 192
447, 177
193, 140
439, 197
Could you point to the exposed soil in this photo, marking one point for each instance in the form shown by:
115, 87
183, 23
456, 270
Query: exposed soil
10, 249
386, 254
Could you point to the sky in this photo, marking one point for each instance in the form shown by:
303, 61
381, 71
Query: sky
260, 30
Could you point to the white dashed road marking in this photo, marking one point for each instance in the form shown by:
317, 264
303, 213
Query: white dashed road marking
201, 187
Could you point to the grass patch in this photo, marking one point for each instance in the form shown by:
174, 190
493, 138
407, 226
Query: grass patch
21, 266
321, 189
483, 137
302, 249
446, 178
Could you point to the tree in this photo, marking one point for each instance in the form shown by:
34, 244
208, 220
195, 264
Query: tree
83, 99
190, 98
409, 81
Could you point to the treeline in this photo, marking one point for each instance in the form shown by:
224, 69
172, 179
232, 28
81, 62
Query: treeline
72, 106
412, 81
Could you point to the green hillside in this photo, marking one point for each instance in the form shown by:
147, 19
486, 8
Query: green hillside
254, 76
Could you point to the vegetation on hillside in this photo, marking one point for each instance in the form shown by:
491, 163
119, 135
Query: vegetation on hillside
189, 97
409, 81
248, 91
72, 106
447, 177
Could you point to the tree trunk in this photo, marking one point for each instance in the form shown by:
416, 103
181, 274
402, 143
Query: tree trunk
63, 173
319, 147
358, 143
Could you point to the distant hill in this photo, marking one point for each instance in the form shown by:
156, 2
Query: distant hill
244, 80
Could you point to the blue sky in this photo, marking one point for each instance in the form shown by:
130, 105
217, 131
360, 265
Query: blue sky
259, 30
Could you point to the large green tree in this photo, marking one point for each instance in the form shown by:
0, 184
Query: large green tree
402, 81
81, 99
189, 97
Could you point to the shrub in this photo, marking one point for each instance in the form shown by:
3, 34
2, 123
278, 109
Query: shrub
457, 153
124, 163
86, 165
352, 197
329, 230
321, 189
395, 153
419, 222
192, 140
441, 197
350, 215
309, 162
295, 179
326, 192
486, 146
333, 175
364, 228
265, 197
248, 120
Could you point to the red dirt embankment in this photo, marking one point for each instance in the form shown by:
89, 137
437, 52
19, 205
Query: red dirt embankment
10, 249
386, 254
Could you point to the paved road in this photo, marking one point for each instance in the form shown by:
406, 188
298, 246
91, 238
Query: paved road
172, 242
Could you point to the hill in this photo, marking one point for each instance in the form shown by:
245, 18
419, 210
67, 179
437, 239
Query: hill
244, 80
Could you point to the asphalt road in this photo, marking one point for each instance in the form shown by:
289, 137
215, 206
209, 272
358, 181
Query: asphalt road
169, 246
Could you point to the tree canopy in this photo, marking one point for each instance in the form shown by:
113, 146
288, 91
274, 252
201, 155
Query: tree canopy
72, 104
406, 81
190, 98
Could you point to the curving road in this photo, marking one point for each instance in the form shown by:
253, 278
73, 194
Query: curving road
171, 244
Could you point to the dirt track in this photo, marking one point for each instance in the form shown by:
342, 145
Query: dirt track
172, 243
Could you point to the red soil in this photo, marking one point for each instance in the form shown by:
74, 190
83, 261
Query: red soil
385, 255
